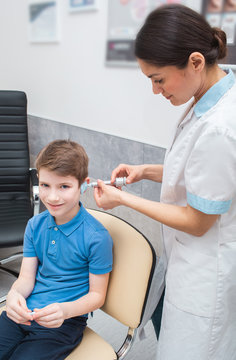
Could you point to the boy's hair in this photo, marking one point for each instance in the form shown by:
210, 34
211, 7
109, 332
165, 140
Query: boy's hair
65, 157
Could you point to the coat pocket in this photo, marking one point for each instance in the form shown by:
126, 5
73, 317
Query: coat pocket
191, 280
228, 235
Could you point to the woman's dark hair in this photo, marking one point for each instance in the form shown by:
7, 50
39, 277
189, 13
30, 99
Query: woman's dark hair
172, 32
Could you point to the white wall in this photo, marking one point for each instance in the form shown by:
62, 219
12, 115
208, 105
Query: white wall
69, 82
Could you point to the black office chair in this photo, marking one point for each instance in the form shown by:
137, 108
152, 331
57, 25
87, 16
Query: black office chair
19, 199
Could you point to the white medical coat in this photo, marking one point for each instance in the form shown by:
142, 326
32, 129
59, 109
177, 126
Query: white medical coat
199, 314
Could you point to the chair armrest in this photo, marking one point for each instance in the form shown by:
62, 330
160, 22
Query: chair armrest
129, 340
34, 177
35, 189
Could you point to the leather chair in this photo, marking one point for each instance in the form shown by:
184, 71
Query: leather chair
18, 183
128, 289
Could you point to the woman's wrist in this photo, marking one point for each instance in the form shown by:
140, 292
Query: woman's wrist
153, 172
126, 199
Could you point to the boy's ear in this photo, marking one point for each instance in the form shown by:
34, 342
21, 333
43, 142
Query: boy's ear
86, 180
83, 186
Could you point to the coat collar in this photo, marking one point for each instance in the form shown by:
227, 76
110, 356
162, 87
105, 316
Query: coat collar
213, 95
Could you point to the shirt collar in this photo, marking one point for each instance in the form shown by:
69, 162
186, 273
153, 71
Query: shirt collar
70, 226
213, 95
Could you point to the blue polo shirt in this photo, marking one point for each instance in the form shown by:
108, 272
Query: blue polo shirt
67, 254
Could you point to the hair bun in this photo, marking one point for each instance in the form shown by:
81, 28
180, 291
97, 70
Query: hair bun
221, 41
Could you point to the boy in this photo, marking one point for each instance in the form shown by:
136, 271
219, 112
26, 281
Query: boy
65, 268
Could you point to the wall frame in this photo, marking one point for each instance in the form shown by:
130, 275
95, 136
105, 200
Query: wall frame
43, 21
83, 5
125, 17
223, 14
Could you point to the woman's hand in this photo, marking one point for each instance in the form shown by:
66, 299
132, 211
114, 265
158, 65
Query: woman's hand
16, 308
51, 316
133, 173
106, 196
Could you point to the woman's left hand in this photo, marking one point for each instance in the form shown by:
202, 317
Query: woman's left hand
106, 196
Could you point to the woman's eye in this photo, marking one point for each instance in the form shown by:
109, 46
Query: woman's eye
44, 185
158, 81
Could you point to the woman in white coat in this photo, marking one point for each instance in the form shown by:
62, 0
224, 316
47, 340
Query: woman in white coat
178, 51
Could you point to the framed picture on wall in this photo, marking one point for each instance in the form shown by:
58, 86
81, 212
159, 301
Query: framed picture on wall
125, 17
83, 5
43, 21
222, 13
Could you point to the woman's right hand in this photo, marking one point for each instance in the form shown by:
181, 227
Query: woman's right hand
106, 196
133, 173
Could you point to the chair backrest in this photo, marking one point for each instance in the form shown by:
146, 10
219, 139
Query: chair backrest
14, 149
134, 263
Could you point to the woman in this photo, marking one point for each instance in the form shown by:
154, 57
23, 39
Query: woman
178, 51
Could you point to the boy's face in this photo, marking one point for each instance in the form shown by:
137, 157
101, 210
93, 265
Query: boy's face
60, 195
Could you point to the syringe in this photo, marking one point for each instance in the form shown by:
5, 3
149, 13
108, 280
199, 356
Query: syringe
119, 181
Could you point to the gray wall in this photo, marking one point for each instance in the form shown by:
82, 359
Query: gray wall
105, 153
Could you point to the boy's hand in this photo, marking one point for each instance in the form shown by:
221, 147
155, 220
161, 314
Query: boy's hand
17, 309
51, 316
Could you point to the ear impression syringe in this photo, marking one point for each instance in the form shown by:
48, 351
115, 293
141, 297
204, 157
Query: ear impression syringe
119, 181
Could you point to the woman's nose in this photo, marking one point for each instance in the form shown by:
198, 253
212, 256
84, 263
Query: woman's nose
157, 89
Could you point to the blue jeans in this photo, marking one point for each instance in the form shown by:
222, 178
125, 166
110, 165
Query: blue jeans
24, 342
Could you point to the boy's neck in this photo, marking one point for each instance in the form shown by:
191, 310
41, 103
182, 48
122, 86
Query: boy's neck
65, 220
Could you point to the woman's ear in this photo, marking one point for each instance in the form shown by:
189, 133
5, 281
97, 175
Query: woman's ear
197, 61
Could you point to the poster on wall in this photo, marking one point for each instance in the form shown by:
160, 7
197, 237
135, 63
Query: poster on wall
222, 13
125, 17
83, 5
43, 21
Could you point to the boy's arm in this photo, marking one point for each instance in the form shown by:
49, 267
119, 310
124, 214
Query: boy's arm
16, 304
54, 315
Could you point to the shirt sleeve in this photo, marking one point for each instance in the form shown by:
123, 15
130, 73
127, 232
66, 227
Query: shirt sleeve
28, 247
100, 253
210, 172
